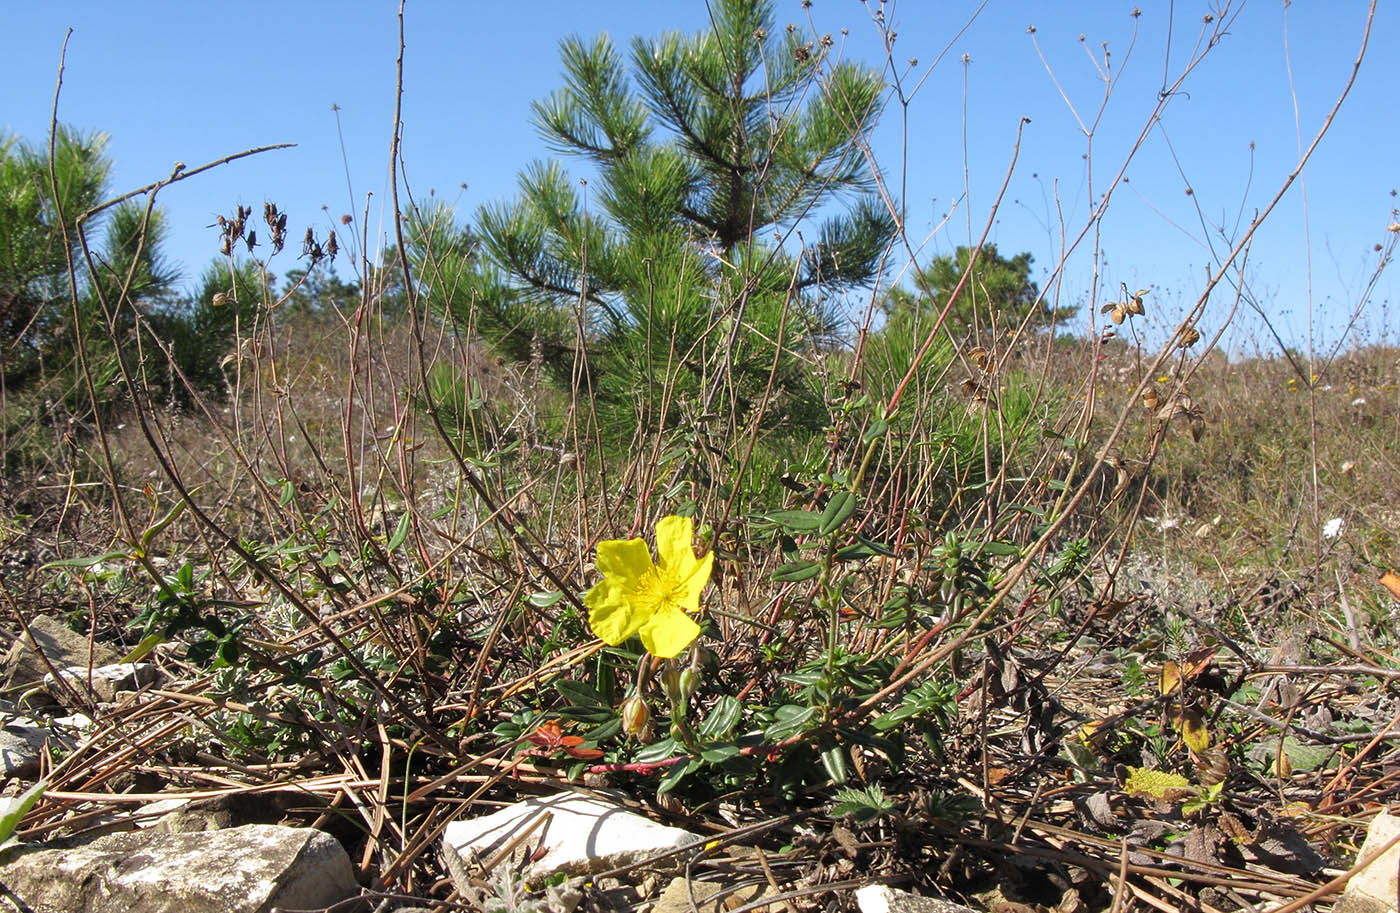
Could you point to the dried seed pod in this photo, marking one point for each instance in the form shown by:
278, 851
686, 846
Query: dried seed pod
1212, 766
1134, 304
1150, 399
1117, 314
1189, 337
1197, 425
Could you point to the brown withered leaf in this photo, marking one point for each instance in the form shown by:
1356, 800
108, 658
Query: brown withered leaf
1097, 809
1199, 844
1234, 828
1197, 661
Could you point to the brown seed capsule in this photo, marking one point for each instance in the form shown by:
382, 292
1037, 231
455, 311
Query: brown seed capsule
1212, 766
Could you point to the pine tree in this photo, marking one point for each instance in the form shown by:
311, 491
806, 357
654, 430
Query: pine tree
999, 295
694, 247
38, 235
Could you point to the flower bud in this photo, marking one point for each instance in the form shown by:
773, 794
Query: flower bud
636, 716
671, 684
689, 682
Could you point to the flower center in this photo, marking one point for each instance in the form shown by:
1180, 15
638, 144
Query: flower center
662, 589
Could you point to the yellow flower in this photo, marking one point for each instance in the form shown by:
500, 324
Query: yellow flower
639, 597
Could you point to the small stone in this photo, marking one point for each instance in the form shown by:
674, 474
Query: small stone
23, 667
105, 681
879, 898
1373, 889
20, 748
709, 897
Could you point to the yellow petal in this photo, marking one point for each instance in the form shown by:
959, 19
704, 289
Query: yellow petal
625, 560
673, 535
611, 614
695, 582
668, 632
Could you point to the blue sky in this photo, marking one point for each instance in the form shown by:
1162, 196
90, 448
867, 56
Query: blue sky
196, 81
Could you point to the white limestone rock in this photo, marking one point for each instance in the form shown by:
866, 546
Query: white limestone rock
1373, 889
105, 681
583, 835
251, 869
879, 898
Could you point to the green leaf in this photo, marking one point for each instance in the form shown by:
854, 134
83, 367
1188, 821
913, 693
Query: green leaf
862, 548
1001, 549
797, 521
85, 562
838, 511
604, 731
797, 570
863, 805
581, 714
162, 523
790, 719
1303, 758
657, 751
147, 644
13, 810
579, 693
674, 775
331, 559
722, 719
834, 760
400, 532
877, 429
546, 598
718, 754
